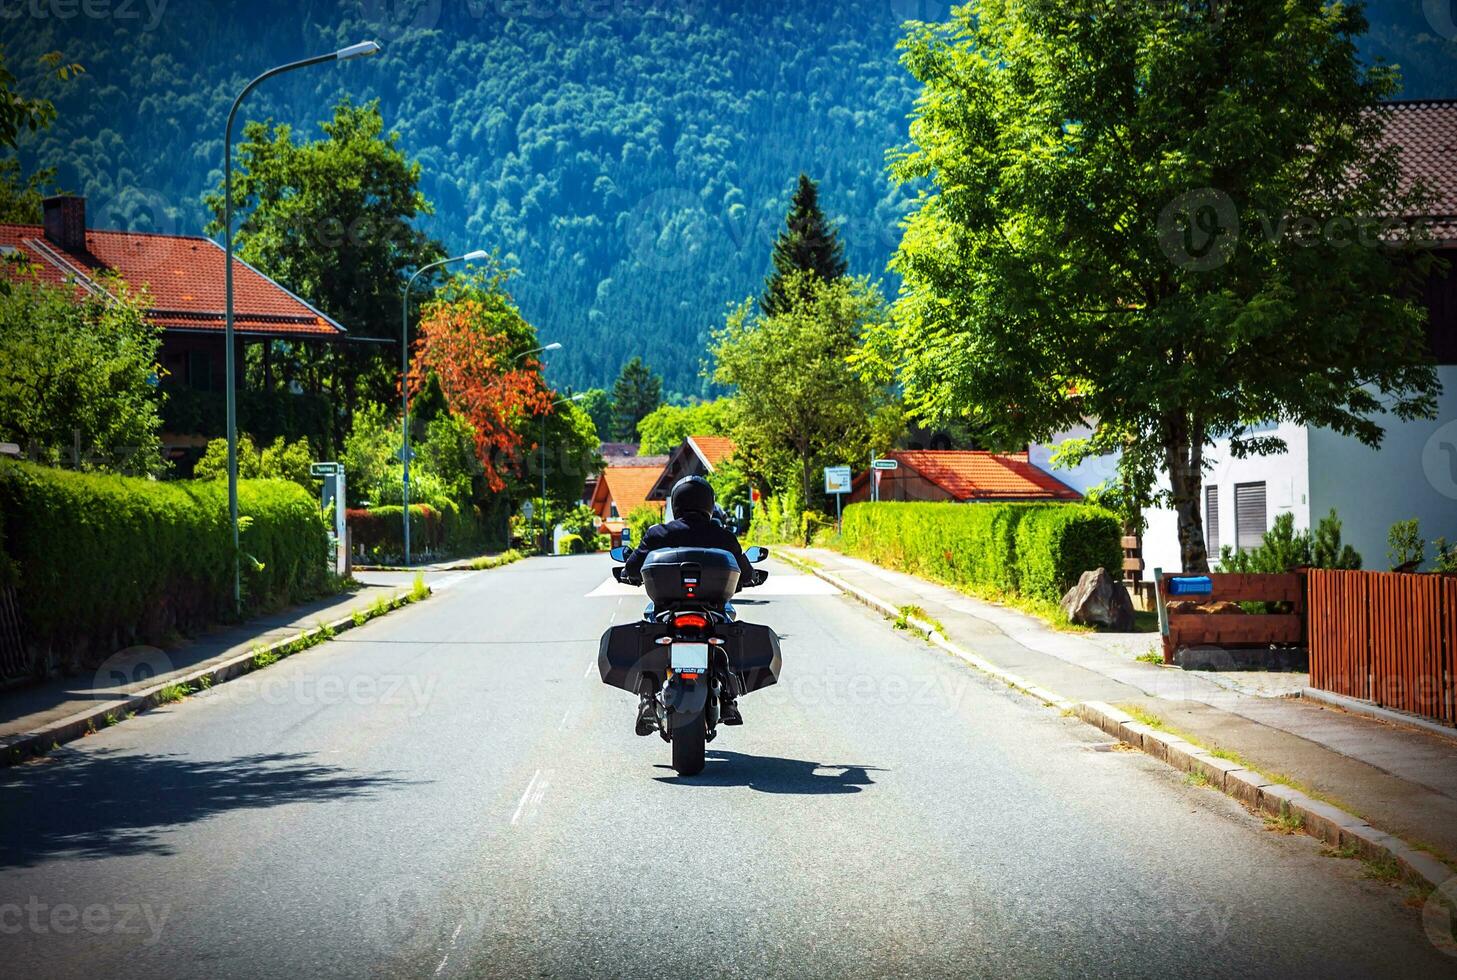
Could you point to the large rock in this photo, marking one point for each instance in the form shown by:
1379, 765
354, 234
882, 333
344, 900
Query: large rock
1099, 600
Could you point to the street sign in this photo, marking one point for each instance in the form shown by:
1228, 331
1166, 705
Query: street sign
400, 454
325, 469
886, 464
837, 479
528, 511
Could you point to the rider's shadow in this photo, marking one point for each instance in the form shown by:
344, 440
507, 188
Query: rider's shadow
768, 774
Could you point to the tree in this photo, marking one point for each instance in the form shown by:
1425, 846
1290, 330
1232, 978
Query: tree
78, 375
571, 454
598, 404
333, 220
664, 429
21, 196
1143, 219
637, 392
808, 243
470, 339
798, 398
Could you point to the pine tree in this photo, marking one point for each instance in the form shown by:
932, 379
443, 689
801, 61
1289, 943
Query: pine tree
635, 394
808, 243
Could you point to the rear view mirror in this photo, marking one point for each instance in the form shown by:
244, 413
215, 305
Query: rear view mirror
756, 554
620, 553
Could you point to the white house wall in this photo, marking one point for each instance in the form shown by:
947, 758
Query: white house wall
1413, 474
1083, 477
1287, 490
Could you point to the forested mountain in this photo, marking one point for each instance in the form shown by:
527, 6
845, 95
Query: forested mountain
633, 158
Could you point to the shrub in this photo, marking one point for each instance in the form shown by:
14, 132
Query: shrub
1283, 548
1034, 550
101, 562
640, 519
812, 523
571, 544
381, 530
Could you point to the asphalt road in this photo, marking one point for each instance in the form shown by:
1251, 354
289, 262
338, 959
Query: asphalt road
450, 791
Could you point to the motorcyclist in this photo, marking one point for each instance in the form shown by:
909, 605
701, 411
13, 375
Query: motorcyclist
692, 526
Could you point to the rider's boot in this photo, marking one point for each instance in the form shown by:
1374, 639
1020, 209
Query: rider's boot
647, 715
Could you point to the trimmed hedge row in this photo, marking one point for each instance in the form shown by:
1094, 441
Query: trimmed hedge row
103, 562
1034, 550
435, 529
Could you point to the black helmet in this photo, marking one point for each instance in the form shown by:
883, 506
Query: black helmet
692, 494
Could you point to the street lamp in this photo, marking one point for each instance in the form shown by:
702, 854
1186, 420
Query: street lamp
560, 401
554, 345
476, 256
361, 50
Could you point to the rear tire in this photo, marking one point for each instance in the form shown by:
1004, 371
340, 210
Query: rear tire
689, 736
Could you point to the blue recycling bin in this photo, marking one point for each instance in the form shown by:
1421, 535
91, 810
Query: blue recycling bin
1191, 585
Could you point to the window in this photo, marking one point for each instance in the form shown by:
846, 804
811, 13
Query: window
613, 513
1211, 520
199, 370
1249, 515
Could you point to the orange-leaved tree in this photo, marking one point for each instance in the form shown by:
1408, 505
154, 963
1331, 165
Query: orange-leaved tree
471, 338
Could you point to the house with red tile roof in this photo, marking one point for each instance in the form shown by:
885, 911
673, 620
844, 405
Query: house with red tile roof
962, 476
622, 489
695, 456
183, 276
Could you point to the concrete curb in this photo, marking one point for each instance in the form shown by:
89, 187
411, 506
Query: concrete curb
16, 749
1321, 820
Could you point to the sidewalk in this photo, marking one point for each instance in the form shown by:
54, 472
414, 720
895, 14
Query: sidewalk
1402, 781
36, 707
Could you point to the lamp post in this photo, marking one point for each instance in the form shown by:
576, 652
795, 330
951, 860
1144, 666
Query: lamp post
560, 401
361, 50
475, 256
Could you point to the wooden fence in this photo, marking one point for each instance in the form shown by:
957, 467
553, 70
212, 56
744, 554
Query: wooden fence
1386, 637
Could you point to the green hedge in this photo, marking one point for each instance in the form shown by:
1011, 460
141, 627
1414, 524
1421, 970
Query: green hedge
1034, 550
103, 562
437, 529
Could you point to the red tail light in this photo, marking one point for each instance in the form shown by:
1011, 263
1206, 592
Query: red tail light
691, 620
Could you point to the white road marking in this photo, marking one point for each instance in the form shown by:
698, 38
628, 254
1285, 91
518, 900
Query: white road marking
531, 799
590, 664
566, 717
449, 949
779, 584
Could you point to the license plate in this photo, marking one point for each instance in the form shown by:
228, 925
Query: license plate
690, 658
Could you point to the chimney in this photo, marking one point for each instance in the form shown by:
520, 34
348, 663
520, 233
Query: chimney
65, 222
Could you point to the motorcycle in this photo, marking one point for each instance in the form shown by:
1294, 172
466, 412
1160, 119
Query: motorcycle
689, 650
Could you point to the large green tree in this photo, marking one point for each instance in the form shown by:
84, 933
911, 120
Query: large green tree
333, 219
799, 403
664, 429
598, 404
1152, 214
809, 243
77, 376
636, 393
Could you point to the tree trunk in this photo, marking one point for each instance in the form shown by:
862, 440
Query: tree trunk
1184, 455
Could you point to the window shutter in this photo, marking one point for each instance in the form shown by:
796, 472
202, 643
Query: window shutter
1211, 520
1249, 515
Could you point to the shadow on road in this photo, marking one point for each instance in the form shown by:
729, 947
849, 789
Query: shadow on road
100, 804
768, 774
